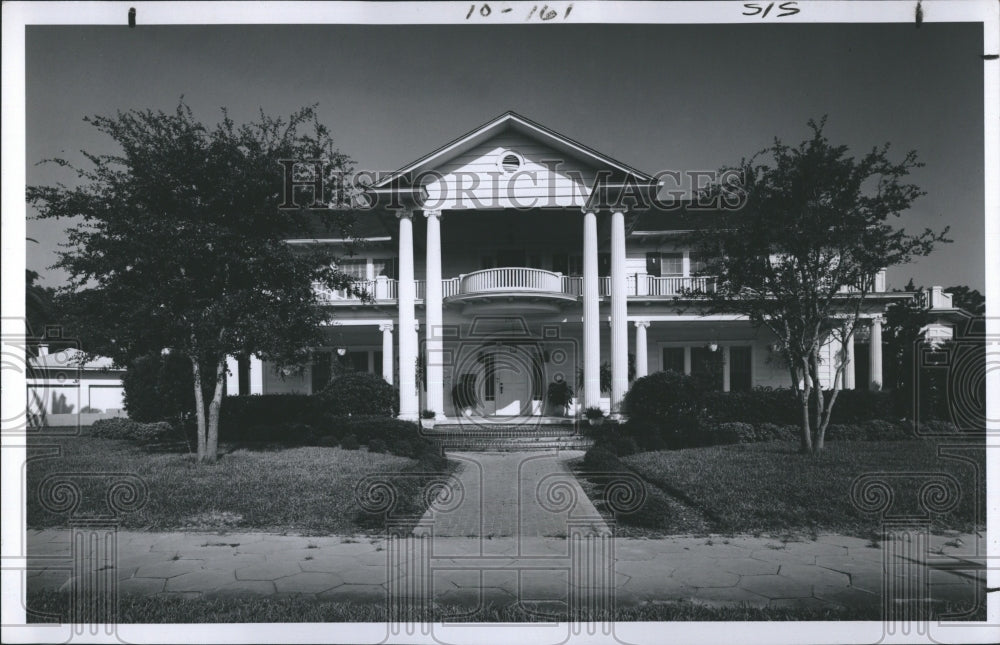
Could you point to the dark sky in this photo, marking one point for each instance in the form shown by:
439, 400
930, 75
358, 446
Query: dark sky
657, 97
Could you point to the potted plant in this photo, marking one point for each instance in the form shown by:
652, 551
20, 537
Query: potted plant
463, 397
595, 415
428, 417
560, 395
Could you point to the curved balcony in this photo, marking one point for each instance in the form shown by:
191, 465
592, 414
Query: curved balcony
507, 284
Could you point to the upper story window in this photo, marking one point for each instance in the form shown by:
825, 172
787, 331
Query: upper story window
665, 264
356, 268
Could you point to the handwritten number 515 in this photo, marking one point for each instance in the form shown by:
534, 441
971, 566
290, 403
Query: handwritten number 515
755, 8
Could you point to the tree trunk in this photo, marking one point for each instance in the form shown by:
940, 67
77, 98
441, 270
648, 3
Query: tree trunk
817, 446
199, 407
212, 441
805, 438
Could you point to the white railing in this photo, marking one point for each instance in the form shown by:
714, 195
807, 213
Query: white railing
935, 298
381, 288
510, 279
675, 285
520, 279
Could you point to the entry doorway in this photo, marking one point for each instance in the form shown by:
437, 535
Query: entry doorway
505, 381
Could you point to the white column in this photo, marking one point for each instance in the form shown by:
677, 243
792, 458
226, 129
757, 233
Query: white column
849, 362
591, 314
619, 311
409, 401
232, 376
256, 375
386, 329
725, 368
433, 345
875, 355
641, 349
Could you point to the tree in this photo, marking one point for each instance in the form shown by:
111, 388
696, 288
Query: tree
799, 258
179, 245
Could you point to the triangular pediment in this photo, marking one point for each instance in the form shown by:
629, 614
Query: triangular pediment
511, 162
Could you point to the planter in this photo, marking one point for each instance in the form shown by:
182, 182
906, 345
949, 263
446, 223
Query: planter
428, 424
596, 422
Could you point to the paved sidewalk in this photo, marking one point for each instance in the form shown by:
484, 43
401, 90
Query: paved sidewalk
833, 570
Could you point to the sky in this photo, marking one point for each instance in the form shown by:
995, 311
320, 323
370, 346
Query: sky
656, 97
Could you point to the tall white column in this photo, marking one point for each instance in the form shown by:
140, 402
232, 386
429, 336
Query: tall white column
232, 376
256, 375
875, 355
619, 311
591, 314
409, 401
433, 345
725, 367
386, 329
641, 349
849, 362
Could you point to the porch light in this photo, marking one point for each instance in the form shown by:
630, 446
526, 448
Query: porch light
713, 346
341, 351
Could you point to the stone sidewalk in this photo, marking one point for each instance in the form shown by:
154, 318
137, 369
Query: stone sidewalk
833, 570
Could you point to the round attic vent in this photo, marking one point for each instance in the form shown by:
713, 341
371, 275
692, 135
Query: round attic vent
510, 162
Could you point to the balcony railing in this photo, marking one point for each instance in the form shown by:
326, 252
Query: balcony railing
527, 280
505, 279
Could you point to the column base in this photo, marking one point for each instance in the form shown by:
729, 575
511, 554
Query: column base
404, 416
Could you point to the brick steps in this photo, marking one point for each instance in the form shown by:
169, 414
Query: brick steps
515, 444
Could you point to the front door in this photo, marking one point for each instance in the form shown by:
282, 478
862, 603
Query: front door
506, 383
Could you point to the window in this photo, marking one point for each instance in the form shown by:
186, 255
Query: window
740, 373
357, 269
560, 263
387, 267
673, 359
672, 264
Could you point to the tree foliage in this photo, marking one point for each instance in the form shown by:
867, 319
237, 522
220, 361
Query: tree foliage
178, 243
801, 256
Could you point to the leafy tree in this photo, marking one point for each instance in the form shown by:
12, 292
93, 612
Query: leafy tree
799, 258
179, 244
969, 299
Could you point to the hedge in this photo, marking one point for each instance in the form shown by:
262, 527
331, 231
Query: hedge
130, 429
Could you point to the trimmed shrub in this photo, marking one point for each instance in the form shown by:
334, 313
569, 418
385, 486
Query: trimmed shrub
597, 459
360, 393
377, 445
768, 432
350, 442
666, 399
790, 432
845, 432
132, 430
880, 430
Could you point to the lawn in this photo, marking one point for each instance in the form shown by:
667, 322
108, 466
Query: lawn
307, 490
50, 606
768, 487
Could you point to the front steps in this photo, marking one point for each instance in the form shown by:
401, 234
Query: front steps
498, 437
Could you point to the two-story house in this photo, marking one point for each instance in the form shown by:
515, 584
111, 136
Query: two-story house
500, 276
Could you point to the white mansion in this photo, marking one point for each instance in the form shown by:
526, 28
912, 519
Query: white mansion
504, 277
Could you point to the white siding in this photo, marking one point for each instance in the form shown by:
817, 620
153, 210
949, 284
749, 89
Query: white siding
477, 173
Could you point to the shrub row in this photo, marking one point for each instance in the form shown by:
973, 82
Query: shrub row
633, 436
130, 429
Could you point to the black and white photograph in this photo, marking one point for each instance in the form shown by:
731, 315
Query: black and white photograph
462, 322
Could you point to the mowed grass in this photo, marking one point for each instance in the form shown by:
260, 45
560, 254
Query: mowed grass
769, 487
307, 490
51, 606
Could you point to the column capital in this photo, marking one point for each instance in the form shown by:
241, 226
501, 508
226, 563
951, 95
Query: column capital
642, 323
588, 210
386, 326
879, 320
619, 208
434, 213
404, 213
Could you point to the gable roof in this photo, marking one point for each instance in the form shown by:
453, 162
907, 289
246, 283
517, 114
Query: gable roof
513, 121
